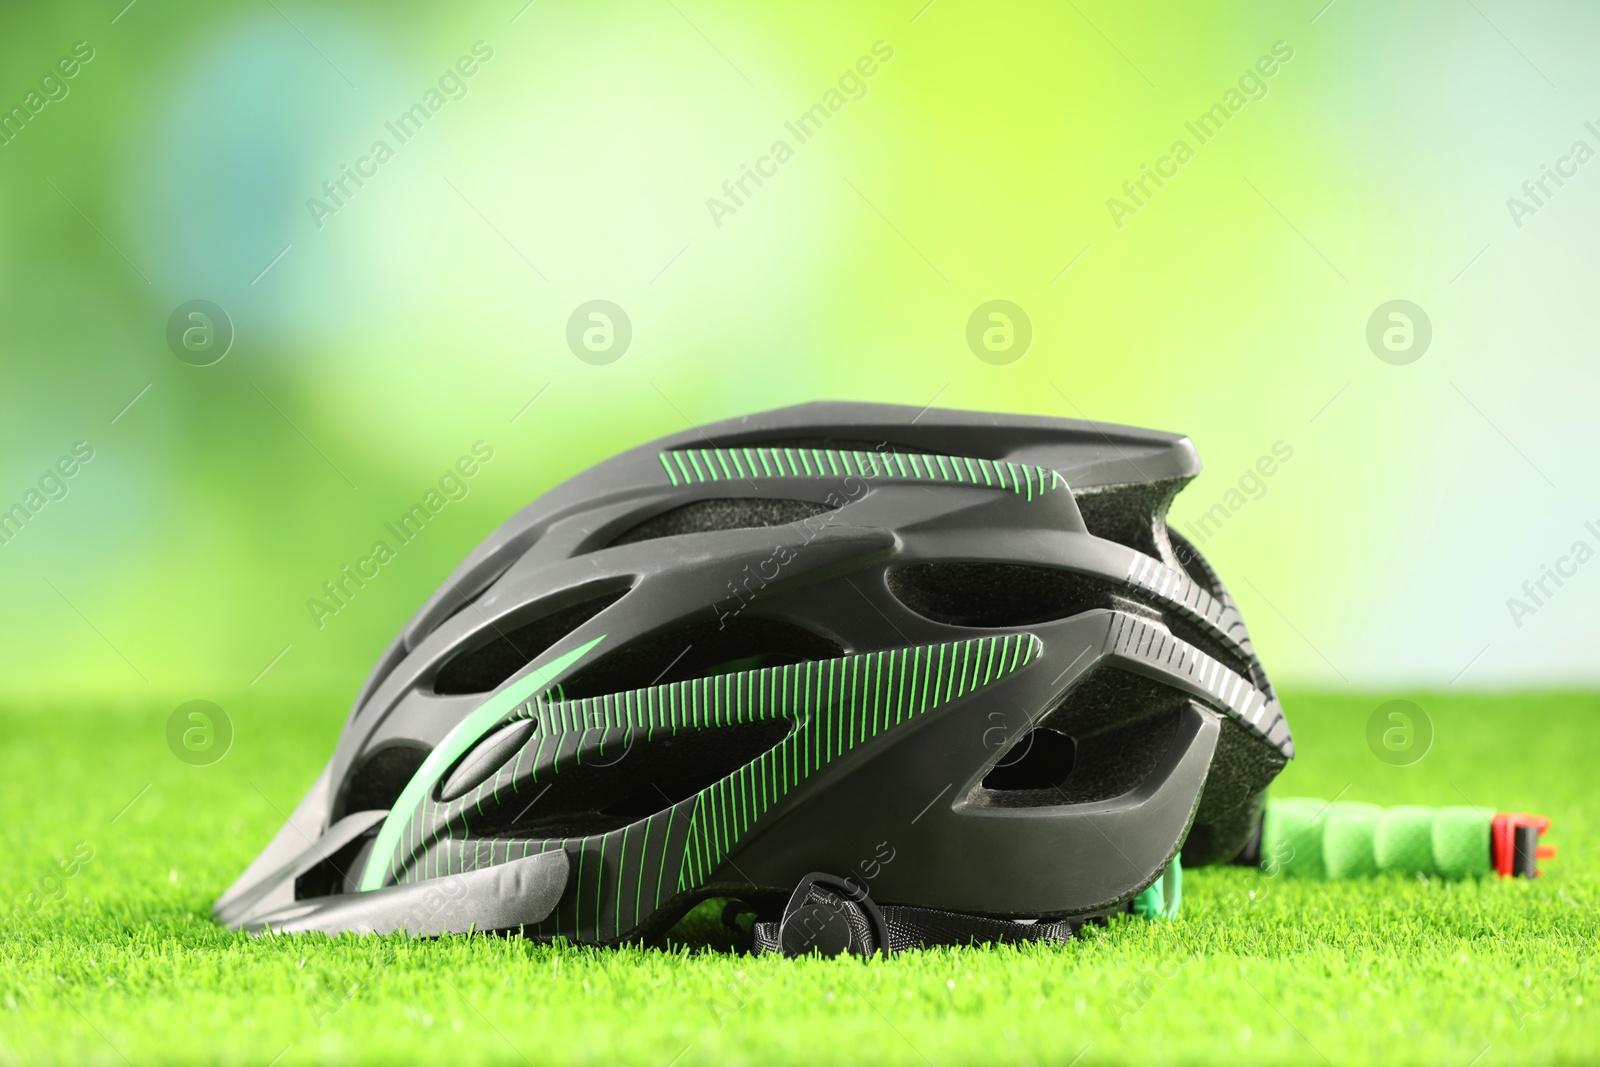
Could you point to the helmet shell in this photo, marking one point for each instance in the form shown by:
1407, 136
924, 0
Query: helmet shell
957, 656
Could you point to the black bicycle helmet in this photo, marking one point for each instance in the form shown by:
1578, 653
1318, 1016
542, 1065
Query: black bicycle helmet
935, 663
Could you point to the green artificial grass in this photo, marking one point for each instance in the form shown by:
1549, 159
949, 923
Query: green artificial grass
113, 958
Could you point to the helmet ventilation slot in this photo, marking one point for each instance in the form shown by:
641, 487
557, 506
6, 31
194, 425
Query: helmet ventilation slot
458, 596
619, 787
1041, 760
1134, 515
507, 651
996, 594
1222, 651
1113, 727
721, 513
484, 584
379, 780
700, 649
339, 873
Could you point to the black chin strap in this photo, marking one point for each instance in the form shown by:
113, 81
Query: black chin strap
829, 916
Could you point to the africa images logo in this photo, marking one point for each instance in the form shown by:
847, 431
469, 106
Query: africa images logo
52, 485
1538, 192
53, 88
453, 485
452, 85
1252, 85
1539, 590
852, 85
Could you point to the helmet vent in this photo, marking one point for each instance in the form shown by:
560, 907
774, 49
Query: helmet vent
615, 789
456, 597
1134, 515
1107, 698
339, 873
723, 513
1222, 651
379, 780
995, 594
708, 646
482, 669
1041, 760
469, 599
1113, 727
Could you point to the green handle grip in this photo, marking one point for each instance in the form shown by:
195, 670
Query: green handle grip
1308, 838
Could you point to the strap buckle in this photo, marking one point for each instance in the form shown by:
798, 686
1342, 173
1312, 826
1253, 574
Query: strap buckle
830, 916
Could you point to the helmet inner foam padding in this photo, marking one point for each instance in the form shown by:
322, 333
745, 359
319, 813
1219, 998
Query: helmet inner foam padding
1133, 515
995, 594
722, 513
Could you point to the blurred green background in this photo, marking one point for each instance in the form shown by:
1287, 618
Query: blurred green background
1337, 157
374, 345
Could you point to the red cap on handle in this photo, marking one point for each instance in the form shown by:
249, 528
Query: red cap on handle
1514, 845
